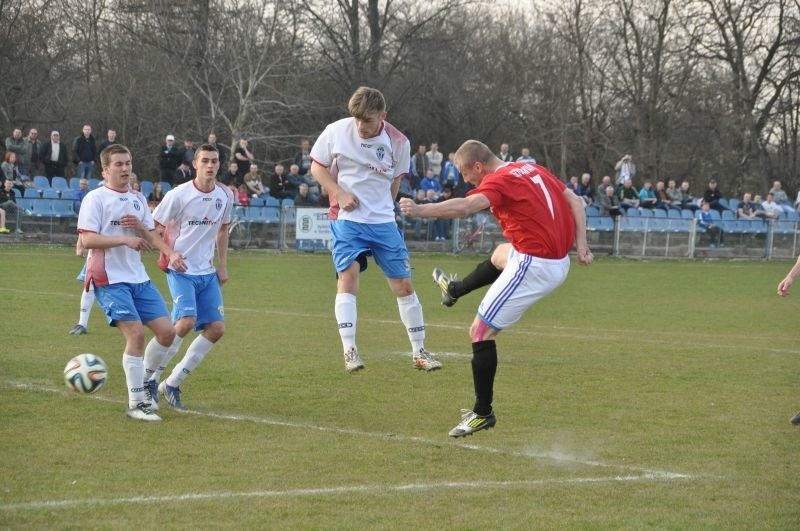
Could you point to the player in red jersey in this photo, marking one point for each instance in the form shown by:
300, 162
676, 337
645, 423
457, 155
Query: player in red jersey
542, 219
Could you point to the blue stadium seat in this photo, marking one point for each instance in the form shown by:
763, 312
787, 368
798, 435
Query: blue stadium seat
272, 214
673, 214
41, 182
687, 214
658, 224
646, 213
272, 202
25, 203
42, 208
165, 186
660, 213
632, 212
733, 204
715, 215
75, 183
287, 202
257, 202
68, 194
631, 224
793, 215
728, 215
147, 187
63, 208
50, 193
59, 183
93, 183
32, 193
592, 211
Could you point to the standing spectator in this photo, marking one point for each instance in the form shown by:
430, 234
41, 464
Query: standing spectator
54, 156
196, 288
187, 153
115, 267
16, 144
525, 156
363, 219
505, 153
84, 153
625, 168
29, 160
255, 186
435, 159
244, 157
222, 150
111, 139
705, 221
542, 219
303, 157
168, 160
419, 166
450, 175
279, 186
183, 174
242, 197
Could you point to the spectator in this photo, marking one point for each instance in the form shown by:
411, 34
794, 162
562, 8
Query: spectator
574, 185
183, 174
505, 153
54, 156
771, 208
419, 167
279, 186
296, 179
674, 194
441, 226
450, 174
80, 193
303, 157
405, 190
628, 195
780, 197
609, 203
156, 195
254, 184
647, 196
323, 201
231, 177
243, 196
625, 168
420, 198
16, 144
136, 186
222, 150
84, 153
430, 182
705, 221
111, 139
713, 196
29, 160
244, 157
663, 200
525, 156
435, 159
748, 209
304, 198
8, 202
168, 160
605, 182
188, 153
586, 190
11, 172
689, 201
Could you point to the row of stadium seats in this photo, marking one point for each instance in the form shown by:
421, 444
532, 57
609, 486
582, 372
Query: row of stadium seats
660, 224
47, 208
685, 214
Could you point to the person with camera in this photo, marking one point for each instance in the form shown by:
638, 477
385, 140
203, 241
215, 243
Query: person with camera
625, 168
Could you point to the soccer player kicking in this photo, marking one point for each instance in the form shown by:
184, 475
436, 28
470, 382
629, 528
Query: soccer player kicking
783, 290
542, 218
361, 160
115, 224
195, 217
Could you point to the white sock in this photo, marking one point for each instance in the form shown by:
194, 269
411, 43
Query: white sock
173, 349
154, 355
87, 301
194, 355
345, 310
411, 315
134, 376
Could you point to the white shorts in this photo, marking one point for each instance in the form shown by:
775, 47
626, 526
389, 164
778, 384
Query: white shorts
525, 280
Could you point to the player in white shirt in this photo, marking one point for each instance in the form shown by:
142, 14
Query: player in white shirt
195, 216
115, 223
361, 160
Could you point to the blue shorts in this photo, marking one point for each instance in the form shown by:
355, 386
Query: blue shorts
82, 275
354, 241
131, 302
198, 296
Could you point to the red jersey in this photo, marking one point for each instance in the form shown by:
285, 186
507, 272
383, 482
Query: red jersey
529, 203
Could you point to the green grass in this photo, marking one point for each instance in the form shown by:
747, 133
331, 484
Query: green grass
630, 372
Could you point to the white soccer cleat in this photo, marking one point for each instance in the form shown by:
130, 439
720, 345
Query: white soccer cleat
423, 360
472, 422
352, 361
142, 412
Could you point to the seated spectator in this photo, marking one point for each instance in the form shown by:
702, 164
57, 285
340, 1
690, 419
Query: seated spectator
417, 223
712, 196
601, 188
647, 196
184, 173
628, 195
674, 194
574, 185
11, 172
156, 195
304, 198
705, 221
610, 204
771, 208
404, 190
780, 197
253, 182
323, 201
663, 200
242, 196
430, 182
586, 190
80, 193
231, 177
296, 179
279, 186
748, 209
689, 201
8, 202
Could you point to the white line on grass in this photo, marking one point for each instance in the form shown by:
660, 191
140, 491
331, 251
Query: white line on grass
551, 456
324, 491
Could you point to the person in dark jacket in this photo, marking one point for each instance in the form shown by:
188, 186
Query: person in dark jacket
84, 153
53, 156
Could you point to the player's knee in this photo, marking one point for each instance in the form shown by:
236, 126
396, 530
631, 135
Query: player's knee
481, 331
214, 331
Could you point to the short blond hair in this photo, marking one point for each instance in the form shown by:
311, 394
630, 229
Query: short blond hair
473, 151
366, 101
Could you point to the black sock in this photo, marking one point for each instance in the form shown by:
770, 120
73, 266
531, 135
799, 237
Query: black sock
484, 366
484, 274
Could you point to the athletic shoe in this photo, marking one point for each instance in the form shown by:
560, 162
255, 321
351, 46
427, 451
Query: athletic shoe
796, 419
151, 394
423, 360
352, 361
4, 230
78, 330
472, 422
172, 394
142, 412
441, 278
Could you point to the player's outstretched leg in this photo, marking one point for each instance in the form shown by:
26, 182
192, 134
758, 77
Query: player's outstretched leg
484, 274
443, 281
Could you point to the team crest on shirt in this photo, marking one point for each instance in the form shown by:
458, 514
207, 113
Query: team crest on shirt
380, 152
218, 204
137, 206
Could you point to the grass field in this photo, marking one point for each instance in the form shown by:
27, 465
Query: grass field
639, 395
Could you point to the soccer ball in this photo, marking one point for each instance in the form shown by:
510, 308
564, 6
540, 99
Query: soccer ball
85, 373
